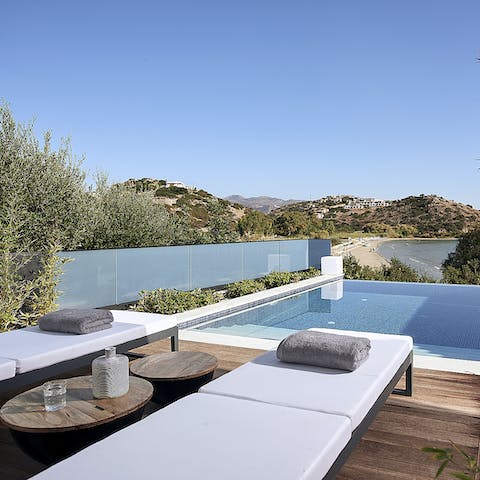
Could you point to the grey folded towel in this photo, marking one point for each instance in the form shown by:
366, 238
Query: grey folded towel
79, 321
321, 349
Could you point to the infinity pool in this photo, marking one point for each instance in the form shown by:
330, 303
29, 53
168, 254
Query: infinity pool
444, 320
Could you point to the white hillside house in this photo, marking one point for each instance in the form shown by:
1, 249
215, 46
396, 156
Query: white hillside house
178, 184
360, 203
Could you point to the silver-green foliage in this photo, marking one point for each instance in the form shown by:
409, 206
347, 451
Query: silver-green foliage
48, 185
174, 301
243, 287
220, 228
277, 279
121, 217
271, 280
38, 211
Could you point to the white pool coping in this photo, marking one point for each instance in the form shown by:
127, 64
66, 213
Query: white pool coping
419, 361
199, 315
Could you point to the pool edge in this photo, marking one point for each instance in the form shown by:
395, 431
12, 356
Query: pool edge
420, 361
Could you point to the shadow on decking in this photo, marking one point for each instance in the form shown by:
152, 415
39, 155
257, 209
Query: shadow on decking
445, 406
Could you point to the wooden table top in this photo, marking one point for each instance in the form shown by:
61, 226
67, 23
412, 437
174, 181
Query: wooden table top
174, 366
26, 412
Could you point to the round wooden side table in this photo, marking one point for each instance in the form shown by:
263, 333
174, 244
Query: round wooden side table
51, 436
175, 374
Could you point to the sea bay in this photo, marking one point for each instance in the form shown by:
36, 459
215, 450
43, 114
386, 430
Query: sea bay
425, 256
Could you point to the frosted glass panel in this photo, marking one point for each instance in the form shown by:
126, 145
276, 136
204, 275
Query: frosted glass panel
293, 255
97, 278
260, 258
215, 264
151, 268
316, 250
88, 280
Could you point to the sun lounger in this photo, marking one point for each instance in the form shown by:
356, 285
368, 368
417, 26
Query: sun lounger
7, 368
262, 420
40, 354
352, 394
357, 395
215, 438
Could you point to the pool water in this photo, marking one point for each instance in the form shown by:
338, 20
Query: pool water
444, 320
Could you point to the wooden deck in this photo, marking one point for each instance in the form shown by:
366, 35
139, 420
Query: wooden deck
445, 406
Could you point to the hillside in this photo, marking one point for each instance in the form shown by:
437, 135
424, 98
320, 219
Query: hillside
262, 204
180, 198
318, 208
430, 215
424, 215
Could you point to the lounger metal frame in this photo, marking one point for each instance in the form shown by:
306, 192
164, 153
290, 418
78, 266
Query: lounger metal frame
35, 376
358, 433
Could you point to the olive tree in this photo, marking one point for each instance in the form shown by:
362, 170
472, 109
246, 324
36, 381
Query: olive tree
124, 217
42, 210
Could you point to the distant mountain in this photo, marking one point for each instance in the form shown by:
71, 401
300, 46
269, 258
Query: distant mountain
263, 204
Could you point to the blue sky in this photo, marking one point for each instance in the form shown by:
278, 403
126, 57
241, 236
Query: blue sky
296, 99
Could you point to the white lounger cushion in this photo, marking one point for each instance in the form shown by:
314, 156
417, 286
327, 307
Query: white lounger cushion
32, 348
7, 368
351, 394
215, 438
152, 322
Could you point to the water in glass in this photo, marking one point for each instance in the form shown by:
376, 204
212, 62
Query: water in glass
55, 395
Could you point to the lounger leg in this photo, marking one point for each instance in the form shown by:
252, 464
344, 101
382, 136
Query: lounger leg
174, 342
408, 391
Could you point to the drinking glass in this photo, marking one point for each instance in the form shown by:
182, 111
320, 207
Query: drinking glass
55, 395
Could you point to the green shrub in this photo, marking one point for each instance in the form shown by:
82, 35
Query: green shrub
468, 274
310, 273
277, 279
170, 192
395, 272
254, 222
174, 301
352, 270
463, 265
273, 279
221, 228
244, 287
291, 223
400, 272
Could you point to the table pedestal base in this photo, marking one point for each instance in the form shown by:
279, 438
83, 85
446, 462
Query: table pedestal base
166, 392
49, 448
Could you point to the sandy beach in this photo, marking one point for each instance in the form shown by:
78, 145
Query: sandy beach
364, 250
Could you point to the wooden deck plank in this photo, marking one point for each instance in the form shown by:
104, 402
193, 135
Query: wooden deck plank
445, 406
